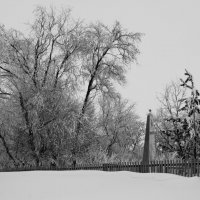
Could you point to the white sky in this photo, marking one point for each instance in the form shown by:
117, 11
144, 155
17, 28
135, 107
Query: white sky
171, 42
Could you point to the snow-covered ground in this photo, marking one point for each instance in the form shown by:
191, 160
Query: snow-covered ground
96, 185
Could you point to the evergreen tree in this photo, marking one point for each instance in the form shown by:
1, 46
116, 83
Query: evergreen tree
183, 136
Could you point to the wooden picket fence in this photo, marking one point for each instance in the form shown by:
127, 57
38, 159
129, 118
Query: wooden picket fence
178, 167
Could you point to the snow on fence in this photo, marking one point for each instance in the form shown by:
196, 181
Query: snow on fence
179, 167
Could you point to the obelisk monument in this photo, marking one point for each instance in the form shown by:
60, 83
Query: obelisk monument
149, 152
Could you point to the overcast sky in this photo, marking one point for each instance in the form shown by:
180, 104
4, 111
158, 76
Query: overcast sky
171, 42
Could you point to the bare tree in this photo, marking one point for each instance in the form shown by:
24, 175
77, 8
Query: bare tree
36, 69
168, 116
107, 54
120, 127
170, 99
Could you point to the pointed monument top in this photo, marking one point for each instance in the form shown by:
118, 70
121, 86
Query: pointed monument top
150, 113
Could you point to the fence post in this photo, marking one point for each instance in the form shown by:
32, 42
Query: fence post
172, 166
180, 167
105, 167
141, 167
185, 168
175, 166
150, 166
158, 166
134, 167
161, 166
193, 167
126, 166
138, 167
190, 164
165, 166
129, 166
153, 166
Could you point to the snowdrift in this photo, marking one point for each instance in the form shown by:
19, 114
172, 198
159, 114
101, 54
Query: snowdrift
96, 185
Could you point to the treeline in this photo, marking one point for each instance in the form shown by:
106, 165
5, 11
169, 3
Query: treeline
57, 96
